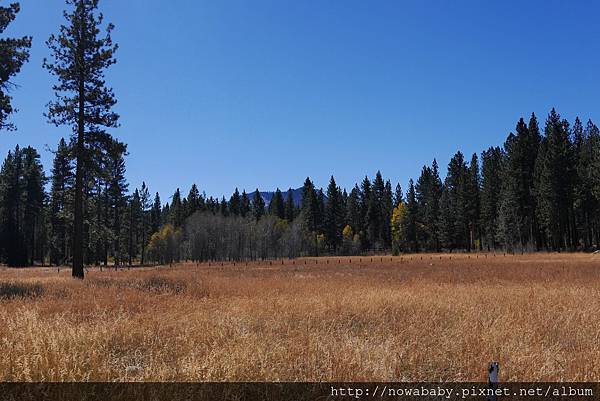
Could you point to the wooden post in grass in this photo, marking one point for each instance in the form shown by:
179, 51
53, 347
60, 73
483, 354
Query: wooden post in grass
493, 371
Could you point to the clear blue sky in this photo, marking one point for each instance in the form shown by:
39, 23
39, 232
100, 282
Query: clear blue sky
264, 93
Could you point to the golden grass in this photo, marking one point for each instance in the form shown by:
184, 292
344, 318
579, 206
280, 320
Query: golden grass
420, 319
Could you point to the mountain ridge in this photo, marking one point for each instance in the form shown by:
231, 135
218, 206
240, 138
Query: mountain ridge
296, 196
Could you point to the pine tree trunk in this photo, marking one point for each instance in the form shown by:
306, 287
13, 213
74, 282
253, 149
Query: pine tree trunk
78, 215
80, 160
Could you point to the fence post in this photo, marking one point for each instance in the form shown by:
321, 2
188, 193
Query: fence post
493, 370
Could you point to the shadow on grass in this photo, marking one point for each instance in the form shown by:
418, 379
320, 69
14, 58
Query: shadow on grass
20, 290
154, 284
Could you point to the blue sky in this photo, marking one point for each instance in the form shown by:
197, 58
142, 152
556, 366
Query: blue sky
263, 93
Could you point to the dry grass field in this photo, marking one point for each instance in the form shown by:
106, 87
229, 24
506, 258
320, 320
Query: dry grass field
427, 317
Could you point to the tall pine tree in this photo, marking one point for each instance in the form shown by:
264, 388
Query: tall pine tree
83, 101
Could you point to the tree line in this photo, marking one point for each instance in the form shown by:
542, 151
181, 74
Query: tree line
539, 191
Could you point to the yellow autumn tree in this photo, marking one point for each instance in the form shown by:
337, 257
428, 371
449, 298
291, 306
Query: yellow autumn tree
347, 232
398, 227
164, 245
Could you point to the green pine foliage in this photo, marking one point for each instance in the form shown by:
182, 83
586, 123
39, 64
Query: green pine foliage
277, 205
14, 53
258, 205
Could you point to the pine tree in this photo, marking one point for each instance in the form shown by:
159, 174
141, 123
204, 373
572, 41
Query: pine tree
192, 201
586, 150
521, 152
387, 206
224, 207
310, 210
588, 170
155, 215
134, 226
277, 205
530, 153
455, 184
410, 227
353, 216
22, 200
508, 229
145, 206
176, 212
117, 190
472, 203
290, 207
554, 187
14, 52
434, 204
375, 211
509, 222
310, 205
424, 233
320, 210
165, 214
245, 205
398, 195
334, 216
491, 184
83, 101
235, 203
61, 204
11, 222
365, 203
258, 205
33, 199
446, 220
427, 193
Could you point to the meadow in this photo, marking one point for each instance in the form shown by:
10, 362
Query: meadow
410, 318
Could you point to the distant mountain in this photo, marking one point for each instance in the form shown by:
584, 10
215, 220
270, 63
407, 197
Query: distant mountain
296, 195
